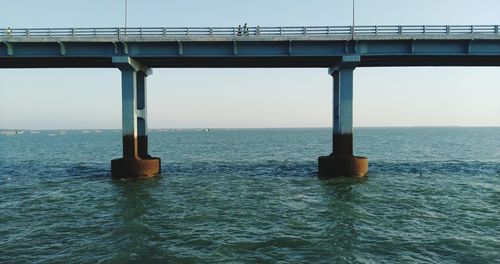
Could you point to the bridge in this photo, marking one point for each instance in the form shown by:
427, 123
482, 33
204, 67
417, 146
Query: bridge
134, 51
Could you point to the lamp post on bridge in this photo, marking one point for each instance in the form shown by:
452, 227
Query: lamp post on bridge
125, 13
353, 17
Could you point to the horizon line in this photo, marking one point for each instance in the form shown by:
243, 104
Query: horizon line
235, 128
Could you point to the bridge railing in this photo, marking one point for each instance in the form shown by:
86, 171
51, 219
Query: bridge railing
249, 31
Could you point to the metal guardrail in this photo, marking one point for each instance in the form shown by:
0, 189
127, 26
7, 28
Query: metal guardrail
248, 32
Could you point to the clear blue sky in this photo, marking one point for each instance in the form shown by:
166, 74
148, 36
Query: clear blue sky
90, 98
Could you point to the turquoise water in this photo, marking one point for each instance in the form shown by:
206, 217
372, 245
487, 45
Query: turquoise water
252, 196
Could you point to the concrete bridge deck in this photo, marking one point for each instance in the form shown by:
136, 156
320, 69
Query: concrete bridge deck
252, 47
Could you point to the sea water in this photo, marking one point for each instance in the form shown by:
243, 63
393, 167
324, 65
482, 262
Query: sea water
252, 196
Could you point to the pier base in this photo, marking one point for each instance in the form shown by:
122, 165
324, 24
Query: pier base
135, 168
336, 166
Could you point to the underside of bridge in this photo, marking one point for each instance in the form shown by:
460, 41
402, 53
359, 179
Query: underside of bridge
253, 61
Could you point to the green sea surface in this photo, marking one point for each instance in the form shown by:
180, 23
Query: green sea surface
252, 196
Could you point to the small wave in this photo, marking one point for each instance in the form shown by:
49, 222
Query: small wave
266, 168
86, 170
436, 167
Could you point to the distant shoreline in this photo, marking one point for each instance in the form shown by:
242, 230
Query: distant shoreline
28, 130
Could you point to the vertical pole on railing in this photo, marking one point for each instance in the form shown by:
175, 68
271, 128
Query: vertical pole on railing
353, 19
187, 31
304, 31
281, 31
424, 29
471, 29
27, 32
328, 30
125, 14
496, 29
447, 30
164, 31
50, 32
400, 30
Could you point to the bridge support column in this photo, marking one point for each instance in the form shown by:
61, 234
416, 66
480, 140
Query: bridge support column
342, 162
136, 161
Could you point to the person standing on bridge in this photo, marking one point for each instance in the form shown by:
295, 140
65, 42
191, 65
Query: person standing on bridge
239, 30
245, 30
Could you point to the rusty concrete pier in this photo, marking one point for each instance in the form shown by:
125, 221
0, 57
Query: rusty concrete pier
136, 161
342, 162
